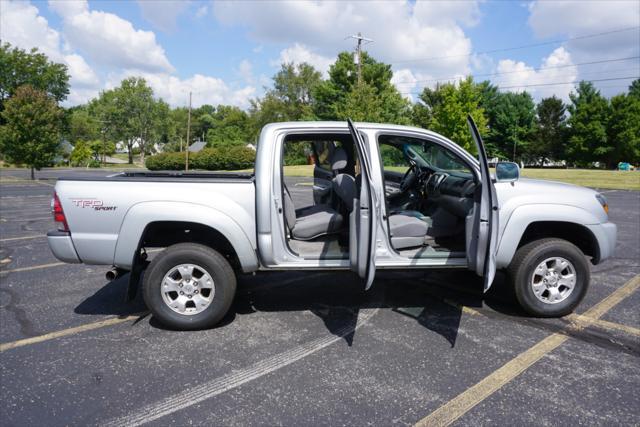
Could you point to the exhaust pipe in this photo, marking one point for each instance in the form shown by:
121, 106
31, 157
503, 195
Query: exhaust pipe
113, 274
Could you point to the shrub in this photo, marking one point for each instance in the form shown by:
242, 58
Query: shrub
212, 159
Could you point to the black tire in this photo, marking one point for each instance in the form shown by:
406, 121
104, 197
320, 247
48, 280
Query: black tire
184, 253
522, 267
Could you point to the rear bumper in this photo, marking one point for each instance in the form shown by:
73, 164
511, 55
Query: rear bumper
606, 235
62, 247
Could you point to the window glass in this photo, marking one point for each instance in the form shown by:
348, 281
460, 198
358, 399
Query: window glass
442, 159
397, 150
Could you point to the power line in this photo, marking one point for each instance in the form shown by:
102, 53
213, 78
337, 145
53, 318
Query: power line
548, 84
520, 71
570, 83
507, 49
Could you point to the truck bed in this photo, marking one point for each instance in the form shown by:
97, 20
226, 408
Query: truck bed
107, 215
168, 176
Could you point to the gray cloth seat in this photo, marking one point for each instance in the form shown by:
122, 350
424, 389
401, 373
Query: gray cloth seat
313, 221
407, 231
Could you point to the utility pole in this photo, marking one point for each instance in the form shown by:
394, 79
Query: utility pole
186, 168
359, 39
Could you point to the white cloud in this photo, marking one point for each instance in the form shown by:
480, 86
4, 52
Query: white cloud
401, 30
405, 81
22, 26
246, 71
175, 91
108, 39
567, 19
299, 53
202, 11
163, 14
552, 18
518, 76
82, 74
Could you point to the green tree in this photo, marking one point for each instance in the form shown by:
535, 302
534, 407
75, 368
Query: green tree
513, 127
81, 154
82, 126
19, 67
361, 104
31, 133
623, 129
587, 123
551, 129
291, 98
100, 149
129, 113
230, 126
447, 108
334, 96
634, 89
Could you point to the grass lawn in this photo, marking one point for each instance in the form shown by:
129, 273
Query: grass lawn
617, 180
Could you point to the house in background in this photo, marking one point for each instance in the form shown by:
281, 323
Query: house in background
197, 146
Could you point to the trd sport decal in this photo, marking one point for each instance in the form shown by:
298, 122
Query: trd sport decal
95, 204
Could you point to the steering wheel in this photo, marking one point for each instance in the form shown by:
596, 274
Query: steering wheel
409, 178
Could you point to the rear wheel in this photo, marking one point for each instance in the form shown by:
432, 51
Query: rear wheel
189, 286
550, 277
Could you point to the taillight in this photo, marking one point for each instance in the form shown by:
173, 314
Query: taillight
58, 213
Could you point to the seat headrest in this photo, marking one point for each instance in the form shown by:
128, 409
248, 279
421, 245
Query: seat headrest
339, 159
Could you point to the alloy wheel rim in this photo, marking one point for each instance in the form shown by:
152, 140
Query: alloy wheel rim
553, 280
187, 289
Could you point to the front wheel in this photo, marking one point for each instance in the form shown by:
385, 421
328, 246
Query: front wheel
189, 286
550, 277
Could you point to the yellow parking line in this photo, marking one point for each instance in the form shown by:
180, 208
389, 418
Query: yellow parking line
11, 239
604, 324
468, 399
33, 267
69, 331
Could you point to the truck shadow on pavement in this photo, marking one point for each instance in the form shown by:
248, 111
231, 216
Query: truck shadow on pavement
435, 300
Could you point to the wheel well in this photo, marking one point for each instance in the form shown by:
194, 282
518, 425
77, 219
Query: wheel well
577, 234
167, 233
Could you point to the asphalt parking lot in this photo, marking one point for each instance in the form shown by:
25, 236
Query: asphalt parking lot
309, 349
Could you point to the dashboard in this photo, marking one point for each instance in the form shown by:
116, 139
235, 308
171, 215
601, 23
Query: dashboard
451, 192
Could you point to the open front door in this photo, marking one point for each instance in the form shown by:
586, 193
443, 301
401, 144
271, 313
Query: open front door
482, 224
363, 217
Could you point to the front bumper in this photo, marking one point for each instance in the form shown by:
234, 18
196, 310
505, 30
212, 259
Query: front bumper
606, 235
62, 247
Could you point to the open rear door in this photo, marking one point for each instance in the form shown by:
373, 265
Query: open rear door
363, 220
482, 225
322, 172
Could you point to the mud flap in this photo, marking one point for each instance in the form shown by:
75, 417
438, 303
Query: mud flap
139, 264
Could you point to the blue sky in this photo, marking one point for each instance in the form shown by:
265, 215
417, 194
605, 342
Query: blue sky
226, 52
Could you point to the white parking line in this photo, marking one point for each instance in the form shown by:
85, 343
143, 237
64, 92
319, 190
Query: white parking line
34, 267
26, 219
48, 196
11, 239
236, 378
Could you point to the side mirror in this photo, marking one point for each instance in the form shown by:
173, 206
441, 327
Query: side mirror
507, 172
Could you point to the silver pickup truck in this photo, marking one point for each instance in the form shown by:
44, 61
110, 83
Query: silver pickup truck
442, 210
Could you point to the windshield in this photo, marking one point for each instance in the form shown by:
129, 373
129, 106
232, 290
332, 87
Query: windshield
438, 158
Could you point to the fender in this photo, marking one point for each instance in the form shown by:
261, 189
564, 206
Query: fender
524, 215
142, 214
